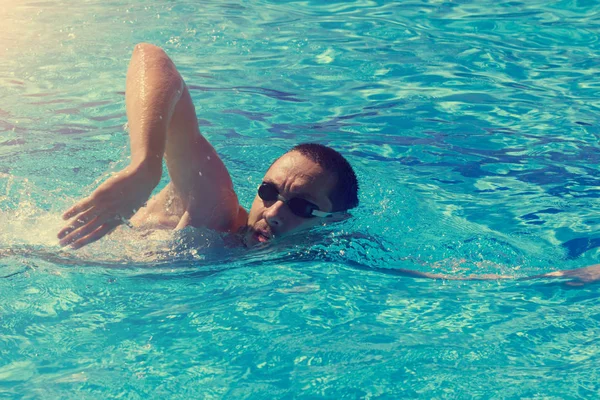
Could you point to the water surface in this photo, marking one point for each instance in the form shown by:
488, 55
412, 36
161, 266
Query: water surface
472, 126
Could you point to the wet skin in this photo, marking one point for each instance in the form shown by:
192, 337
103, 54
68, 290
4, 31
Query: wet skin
294, 175
163, 124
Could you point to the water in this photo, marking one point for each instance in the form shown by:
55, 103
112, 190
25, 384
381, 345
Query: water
472, 126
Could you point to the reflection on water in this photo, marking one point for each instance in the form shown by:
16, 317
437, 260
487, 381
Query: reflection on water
473, 129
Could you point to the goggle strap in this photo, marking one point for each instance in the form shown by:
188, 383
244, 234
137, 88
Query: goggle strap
322, 214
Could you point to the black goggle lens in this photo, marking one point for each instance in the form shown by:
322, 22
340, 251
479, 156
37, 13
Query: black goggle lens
268, 192
300, 207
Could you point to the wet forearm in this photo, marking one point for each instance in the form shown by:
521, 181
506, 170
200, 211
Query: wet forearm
153, 88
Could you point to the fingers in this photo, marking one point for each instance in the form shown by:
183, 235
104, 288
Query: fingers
74, 234
85, 229
81, 220
83, 205
96, 234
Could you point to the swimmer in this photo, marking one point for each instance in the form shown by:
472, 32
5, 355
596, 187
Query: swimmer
310, 185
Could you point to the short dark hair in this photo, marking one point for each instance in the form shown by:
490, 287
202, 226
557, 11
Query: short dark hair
344, 194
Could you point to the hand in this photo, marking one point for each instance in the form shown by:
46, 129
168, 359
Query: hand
580, 276
110, 205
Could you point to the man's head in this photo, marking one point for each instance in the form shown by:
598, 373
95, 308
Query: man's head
308, 177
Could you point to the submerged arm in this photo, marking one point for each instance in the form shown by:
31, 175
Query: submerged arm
576, 277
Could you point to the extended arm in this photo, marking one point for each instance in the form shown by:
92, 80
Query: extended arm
575, 277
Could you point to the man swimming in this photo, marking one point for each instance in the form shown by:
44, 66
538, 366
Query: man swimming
306, 186
310, 184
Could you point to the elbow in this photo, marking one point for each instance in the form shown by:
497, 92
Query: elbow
154, 59
151, 56
148, 48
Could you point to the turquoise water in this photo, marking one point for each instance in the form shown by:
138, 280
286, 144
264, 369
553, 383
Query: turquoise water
473, 127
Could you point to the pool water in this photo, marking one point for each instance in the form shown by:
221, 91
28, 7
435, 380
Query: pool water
473, 128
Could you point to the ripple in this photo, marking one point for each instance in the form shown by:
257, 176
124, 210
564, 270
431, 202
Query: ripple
472, 128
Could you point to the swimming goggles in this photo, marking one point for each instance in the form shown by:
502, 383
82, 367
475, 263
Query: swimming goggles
298, 206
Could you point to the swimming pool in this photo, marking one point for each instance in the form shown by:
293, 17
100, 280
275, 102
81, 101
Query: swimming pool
472, 126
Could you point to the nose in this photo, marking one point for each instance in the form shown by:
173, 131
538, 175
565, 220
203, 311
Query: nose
273, 214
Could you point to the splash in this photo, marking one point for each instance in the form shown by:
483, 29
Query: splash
28, 230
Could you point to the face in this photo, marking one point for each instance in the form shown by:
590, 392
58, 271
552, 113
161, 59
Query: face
293, 175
